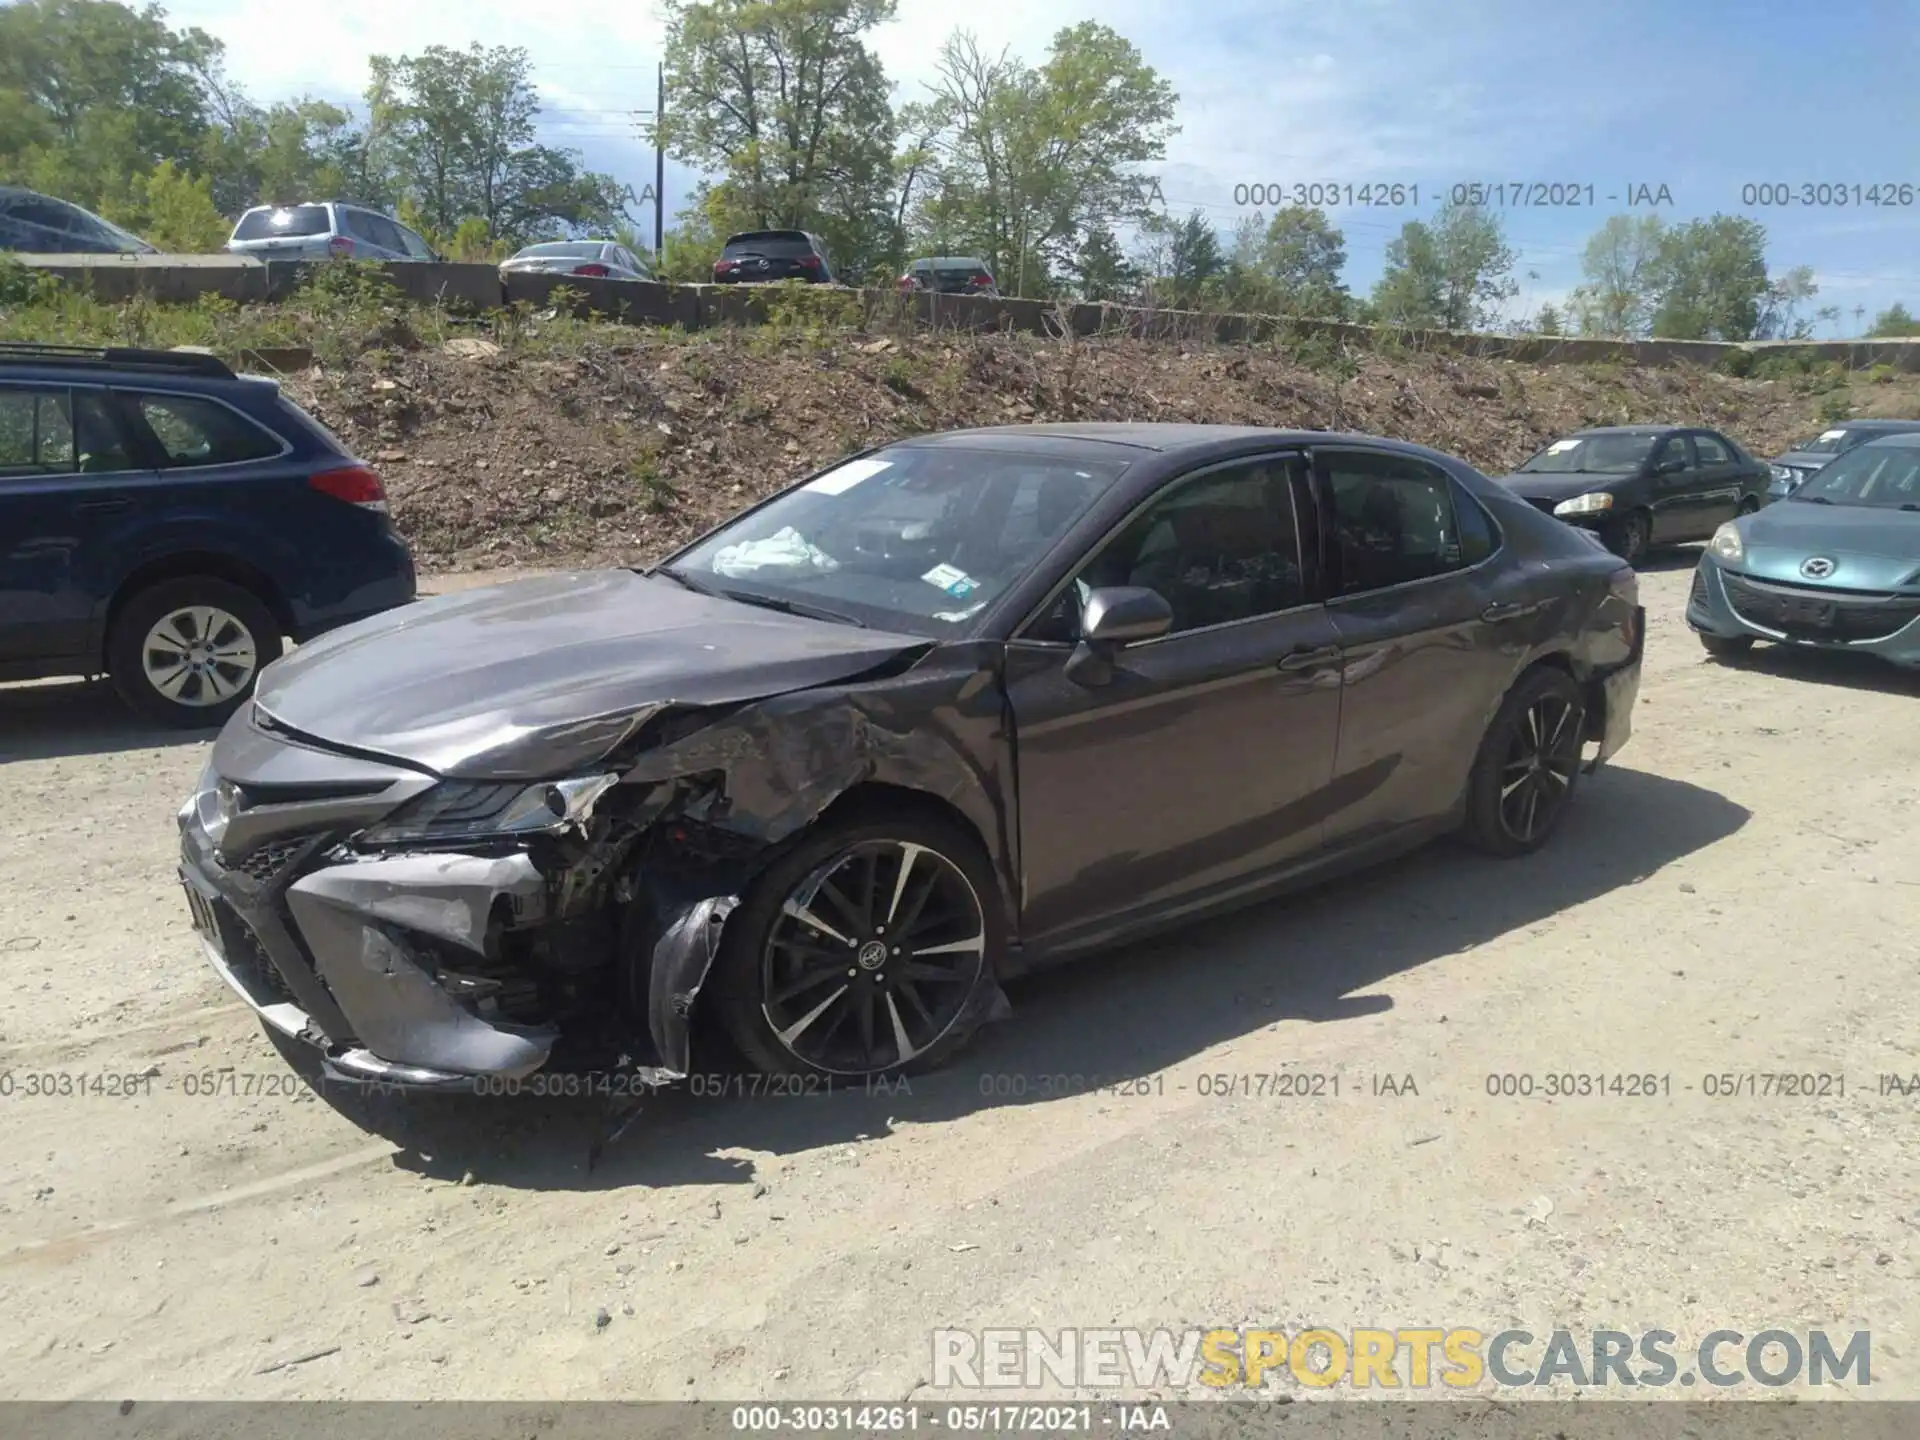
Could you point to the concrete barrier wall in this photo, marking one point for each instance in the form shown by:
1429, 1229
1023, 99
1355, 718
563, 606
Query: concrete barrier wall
186, 278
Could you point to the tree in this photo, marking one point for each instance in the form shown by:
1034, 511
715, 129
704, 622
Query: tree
1779, 317
1290, 265
1547, 322
1195, 261
1030, 163
457, 129
1453, 274
1894, 321
101, 94
1100, 270
1623, 269
786, 104
1712, 280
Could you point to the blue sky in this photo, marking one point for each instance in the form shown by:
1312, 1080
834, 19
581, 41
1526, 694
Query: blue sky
1701, 96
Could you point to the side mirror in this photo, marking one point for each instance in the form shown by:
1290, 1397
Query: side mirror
1113, 617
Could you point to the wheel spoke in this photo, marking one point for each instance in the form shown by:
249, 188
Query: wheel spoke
853, 914
799, 1027
1516, 784
934, 974
808, 980
900, 1040
814, 922
1533, 728
1532, 809
908, 854
952, 947
169, 682
913, 999
867, 1006
906, 922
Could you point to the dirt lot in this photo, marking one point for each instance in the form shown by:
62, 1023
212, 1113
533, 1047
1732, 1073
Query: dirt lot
1740, 893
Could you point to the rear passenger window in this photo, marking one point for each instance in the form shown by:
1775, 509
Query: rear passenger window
1478, 537
36, 433
199, 432
1395, 520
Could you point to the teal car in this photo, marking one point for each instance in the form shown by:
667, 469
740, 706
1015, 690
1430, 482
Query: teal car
1834, 566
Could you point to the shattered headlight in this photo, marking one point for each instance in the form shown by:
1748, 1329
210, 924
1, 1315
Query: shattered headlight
468, 809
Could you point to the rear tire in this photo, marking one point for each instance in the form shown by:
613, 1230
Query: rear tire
1725, 647
186, 653
1630, 537
807, 988
1528, 767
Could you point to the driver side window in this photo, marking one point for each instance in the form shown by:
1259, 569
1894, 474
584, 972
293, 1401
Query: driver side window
1219, 547
1674, 447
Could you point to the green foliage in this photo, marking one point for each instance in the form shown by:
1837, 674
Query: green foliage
784, 101
1622, 263
20, 286
1737, 363
1547, 322
1028, 165
1712, 280
1099, 270
457, 129
1834, 407
810, 312
1882, 374
1451, 275
1289, 266
178, 212
1894, 322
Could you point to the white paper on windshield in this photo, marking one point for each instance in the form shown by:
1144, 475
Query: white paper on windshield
1560, 447
785, 552
1831, 434
956, 583
843, 478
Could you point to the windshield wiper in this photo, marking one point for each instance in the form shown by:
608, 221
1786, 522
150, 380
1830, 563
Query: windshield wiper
791, 607
1813, 499
687, 580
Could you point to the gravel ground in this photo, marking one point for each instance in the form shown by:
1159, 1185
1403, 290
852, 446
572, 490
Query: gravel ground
1739, 893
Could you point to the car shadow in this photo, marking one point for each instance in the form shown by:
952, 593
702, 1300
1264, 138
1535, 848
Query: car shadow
44, 720
1319, 957
1670, 558
1828, 667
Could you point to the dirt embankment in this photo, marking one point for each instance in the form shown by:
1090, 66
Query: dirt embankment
614, 452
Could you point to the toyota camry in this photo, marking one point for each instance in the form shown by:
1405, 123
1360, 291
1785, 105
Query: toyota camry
946, 711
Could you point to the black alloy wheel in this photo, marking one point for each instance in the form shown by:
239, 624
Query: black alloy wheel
871, 958
1536, 778
1528, 766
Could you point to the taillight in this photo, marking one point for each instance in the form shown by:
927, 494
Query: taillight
591, 270
904, 284
339, 245
721, 267
981, 282
809, 262
355, 484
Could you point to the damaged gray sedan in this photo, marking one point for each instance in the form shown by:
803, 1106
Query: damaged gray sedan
946, 711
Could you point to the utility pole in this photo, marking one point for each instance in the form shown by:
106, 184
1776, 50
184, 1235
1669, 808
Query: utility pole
659, 166
658, 190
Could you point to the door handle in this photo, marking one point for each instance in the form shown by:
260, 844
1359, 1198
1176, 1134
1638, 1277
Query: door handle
1305, 658
1500, 610
103, 507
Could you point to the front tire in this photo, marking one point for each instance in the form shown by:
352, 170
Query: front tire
1528, 767
1629, 537
862, 952
186, 653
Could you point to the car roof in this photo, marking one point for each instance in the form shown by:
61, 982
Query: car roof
1905, 439
1162, 438
1890, 426
951, 260
1635, 429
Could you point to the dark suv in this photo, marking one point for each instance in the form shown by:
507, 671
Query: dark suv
167, 522
757, 255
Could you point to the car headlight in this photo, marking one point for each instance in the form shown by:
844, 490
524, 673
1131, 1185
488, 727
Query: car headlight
1591, 504
1727, 546
465, 809
1782, 473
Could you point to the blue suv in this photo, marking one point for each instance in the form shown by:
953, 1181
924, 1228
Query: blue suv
169, 523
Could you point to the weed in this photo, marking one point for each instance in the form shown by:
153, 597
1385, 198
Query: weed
1834, 407
1737, 363
1882, 374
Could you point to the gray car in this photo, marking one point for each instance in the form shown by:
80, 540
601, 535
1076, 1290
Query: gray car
1790, 471
945, 712
325, 229
595, 259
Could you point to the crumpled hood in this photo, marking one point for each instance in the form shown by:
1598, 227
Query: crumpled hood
534, 678
1804, 459
1873, 548
1558, 487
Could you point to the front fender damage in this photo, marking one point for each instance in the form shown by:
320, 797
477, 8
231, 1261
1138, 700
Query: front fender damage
587, 947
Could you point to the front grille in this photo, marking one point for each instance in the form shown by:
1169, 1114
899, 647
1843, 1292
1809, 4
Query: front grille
1698, 594
264, 864
1545, 507
248, 958
1808, 612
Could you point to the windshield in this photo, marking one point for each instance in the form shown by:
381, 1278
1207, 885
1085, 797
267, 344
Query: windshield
300, 221
1884, 477
1831, 442
1592, 455
918, 539
572, 250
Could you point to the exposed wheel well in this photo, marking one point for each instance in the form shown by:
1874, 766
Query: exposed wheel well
1591, 690
184, 564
